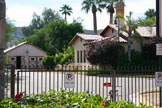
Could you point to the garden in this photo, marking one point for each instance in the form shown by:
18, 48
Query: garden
65, 99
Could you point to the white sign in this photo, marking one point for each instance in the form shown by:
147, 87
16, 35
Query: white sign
158, 79
158, 49
160, 17
69, 80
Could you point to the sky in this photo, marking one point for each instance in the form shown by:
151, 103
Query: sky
21, 11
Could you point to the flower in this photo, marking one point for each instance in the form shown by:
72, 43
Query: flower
104, 104
17, 96
21, 94
17, 99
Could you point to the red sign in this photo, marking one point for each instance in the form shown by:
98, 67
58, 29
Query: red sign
107, 84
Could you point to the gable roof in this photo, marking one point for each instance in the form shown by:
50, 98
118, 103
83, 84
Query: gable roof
21, 44
85, 37
113, 26
112, 38
144, 31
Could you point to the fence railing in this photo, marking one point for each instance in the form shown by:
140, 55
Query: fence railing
134, 84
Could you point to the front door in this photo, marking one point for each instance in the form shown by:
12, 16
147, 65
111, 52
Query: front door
18, 62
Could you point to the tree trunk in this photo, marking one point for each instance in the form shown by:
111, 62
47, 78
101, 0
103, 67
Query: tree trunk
111, 18
129, 48
95, 22
65, 18
2, 46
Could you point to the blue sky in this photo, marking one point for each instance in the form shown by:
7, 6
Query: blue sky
21, 11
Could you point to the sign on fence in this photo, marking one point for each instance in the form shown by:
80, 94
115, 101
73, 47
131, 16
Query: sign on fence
107, 84
160, 17
69, 80
158, 49
158, 79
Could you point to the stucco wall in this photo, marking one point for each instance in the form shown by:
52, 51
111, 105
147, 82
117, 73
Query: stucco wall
109, 33
21, 51
26, 51
79, 46
136, 46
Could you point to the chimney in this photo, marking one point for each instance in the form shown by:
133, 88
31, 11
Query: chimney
120, 12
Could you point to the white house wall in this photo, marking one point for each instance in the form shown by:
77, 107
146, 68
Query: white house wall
79, 46
26, 51
136, 46
109, 33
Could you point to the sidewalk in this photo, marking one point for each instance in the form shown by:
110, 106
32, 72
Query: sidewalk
151, 98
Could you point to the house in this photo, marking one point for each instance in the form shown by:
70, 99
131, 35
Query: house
109, 32
79, 41
145, 33
25, 55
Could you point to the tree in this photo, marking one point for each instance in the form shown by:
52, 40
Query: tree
94, 6
10, 28
103, 52
39, 22
66, 10
150, 13
55, 36
49, 15
110, 5
67, 56
130, 29
149, 20
146, 21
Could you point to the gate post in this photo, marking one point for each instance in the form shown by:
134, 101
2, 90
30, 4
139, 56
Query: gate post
12, 81
114, 86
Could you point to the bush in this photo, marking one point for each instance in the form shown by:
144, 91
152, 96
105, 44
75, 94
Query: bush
136, 60
49, 62
103, 52
64, 99
149, 53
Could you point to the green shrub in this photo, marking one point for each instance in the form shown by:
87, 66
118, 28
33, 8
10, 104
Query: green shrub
49, 62
65, 99
137, 59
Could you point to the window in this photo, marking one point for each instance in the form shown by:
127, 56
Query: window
80, 40
40, 59
32, 59
80, 56
84, 56
12, 58
112, 30
77, 56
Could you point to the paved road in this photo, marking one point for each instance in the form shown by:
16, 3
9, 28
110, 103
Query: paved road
128, 87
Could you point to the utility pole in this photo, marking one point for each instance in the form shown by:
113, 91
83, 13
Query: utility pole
2, 46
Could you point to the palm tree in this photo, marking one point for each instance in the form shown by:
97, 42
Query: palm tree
94, 6
150, 13
110, 7
130, 28
66, 10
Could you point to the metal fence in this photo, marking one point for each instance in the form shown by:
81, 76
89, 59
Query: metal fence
134, 84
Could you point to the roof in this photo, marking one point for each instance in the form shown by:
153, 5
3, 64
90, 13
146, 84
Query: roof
112, 38
23, 43
144, 31
85, 37
114, 27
